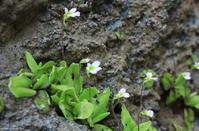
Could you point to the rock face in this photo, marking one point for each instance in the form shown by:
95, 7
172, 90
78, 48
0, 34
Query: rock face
15, 14
26, 116
157, 34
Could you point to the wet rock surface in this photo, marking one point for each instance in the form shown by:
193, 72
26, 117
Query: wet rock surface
157, 34
15, 14
21, 114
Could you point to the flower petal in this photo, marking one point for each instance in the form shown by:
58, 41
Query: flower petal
66, 10
93, 71
96, 63
150, 113
73, 10
149, 74
98, 69
126, 95
88, 66
155, 78
75, 14
123, 90
187, 75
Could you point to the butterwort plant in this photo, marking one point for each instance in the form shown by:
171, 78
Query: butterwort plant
196, 65
61, 85
149, 78
93, 68
70, 13
148, 113
178, 87
121, 94
129, 123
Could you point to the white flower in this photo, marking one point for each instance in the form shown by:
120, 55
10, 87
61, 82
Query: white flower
149, 76
94, 67
83, 61
72, 13
186, 75
123, 93
196, 65
148, 113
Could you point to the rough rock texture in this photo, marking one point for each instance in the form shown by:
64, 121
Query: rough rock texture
28, 117
157, 34
15, 14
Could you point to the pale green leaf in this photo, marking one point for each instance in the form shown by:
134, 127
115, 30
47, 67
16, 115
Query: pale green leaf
100, 117
127, 121
87, 92
42, 82
83, 109
99, 127
167, 81
42, 101
31, 62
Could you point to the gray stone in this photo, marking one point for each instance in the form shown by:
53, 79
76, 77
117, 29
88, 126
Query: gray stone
15, 14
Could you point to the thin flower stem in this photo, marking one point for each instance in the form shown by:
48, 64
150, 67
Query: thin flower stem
141, 99
114, 115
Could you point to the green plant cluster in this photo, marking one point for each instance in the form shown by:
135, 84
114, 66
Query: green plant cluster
189, 117
61, 85
148, 81
178, 88
129, 124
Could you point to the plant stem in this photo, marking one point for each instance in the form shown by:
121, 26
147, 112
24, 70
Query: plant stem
141, 98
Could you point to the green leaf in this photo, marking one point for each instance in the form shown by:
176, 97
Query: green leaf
99, 127
87, 92
101, 105
48, 66
100, 117
73, 77
63, 64
61, 72
66, 110
22, 92
42, 101
192, 100
42, 82
18, 85
31, 62
189, 117
83, 109
167, 81
178, 127
19, 81
127, 121
148, 83
53, 75
1, 104
146, 126
55, 99
181, 87
67, 90
172, 97
180, 81
61, 88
